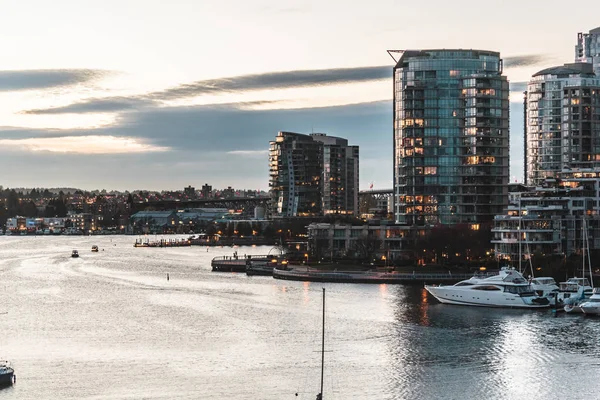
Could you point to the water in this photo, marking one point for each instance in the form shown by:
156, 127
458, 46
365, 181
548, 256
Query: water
109, 325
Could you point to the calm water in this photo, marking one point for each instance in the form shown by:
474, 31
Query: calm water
110, 326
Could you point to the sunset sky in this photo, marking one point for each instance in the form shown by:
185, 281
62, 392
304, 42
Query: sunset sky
159, 95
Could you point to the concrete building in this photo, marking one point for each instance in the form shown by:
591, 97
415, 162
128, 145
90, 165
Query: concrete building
312, 175
451, 138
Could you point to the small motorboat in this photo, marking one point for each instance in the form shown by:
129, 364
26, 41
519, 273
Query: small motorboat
95, 249
6, 374
74, 254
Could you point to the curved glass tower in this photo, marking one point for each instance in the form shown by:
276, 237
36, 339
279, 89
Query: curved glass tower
451, 138
563, 121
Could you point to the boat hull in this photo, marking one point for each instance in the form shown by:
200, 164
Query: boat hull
498, 299
590, 310
6, 376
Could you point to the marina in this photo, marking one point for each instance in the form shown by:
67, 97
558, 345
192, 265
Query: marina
210, 332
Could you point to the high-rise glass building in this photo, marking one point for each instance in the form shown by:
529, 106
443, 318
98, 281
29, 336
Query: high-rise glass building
563, 121
587, 49
312, 175
451, 137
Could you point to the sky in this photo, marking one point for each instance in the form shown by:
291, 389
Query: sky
156, 95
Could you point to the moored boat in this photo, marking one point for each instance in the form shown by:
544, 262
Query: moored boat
507, 289
6, 374
591, 306
95, 248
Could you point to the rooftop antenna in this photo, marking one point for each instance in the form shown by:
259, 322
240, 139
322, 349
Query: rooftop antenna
395, 51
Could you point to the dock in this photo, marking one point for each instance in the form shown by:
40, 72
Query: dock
300, 273
257, 264
162, 243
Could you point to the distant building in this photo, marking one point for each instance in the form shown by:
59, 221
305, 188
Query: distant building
228, 193
189, 191
451, 139
312, 175
587, 49
206, 191
154, 221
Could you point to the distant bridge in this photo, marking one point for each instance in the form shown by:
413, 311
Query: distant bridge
377, 194
233, 203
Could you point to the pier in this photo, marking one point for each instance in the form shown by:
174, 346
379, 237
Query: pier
162, 243
237, 263
316, 275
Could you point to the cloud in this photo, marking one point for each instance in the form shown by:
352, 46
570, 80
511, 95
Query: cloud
243, 83
92, 144
275, 80
99, 105
47, 78
518, 86
206, 144
526, 60
249, 153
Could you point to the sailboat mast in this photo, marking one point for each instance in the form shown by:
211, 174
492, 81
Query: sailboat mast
587, 243
583, 247
519, 230
323, 347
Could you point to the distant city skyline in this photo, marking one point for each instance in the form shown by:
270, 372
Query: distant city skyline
147, 95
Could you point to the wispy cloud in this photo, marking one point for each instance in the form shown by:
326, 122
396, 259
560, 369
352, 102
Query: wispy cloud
237, 84
526, 60
249, 153
47, 78
99, 105
82, 145
518, 86
275, 80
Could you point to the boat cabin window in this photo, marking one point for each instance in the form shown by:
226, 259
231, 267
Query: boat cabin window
544, 281
518, 289
489, 287
464, 284
579, 281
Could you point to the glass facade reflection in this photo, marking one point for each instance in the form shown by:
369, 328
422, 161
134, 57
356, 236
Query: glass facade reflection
451, 140
563, 121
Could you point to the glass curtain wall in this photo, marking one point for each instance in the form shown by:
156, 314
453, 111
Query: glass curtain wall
451, 137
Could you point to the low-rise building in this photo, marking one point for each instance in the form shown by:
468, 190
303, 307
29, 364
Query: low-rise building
340, 240
549, 219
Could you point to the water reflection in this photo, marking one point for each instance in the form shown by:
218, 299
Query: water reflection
220, 335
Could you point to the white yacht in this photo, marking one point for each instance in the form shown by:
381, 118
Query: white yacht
507, 289
544, 285
572, 286
592, 305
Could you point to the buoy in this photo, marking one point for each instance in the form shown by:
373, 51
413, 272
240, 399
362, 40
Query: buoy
167, 276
